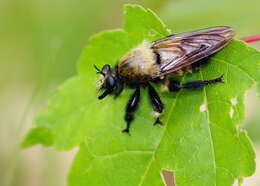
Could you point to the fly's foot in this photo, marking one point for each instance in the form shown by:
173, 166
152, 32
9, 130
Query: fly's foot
158, 122
220, 79
126, 130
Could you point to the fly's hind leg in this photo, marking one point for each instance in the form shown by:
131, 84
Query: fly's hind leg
157, 104
131, 107
174, 85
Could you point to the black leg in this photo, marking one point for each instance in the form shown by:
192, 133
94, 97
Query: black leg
131, 107
115, 91
119, 88
105, 94
156, 103
193, 85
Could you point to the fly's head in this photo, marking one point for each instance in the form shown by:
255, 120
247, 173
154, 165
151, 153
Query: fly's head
108, 80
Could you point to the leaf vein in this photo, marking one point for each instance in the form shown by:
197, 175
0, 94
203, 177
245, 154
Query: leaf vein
122, 153
237, 67
210, 134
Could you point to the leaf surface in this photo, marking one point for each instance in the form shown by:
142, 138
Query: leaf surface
201, 140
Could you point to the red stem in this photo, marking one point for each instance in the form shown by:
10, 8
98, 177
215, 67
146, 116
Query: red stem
251, 38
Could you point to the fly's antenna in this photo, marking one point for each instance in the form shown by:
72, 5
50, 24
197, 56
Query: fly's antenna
98, 70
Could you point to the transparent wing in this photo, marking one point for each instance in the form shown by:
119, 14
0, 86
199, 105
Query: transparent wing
178, 51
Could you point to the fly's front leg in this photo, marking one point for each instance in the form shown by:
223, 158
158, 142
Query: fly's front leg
193, 85
131, 107
119, 88
107, 92
157, 104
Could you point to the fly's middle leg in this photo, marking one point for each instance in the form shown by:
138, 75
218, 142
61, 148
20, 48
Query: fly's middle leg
157, 104
131, 107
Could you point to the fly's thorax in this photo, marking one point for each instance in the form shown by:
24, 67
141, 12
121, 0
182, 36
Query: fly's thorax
140, 62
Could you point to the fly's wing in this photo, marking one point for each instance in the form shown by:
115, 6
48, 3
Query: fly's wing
178, 51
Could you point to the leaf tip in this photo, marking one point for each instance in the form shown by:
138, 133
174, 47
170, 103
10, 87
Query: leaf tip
39, 135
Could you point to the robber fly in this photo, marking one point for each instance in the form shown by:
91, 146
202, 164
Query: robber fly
153, 61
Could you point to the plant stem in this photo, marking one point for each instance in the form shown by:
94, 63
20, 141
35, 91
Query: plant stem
251, 38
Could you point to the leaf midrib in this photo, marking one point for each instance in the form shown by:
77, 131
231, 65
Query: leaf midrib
209, 129
162, 136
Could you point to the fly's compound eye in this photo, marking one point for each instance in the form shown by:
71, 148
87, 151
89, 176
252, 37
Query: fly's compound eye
106, 68
110, 82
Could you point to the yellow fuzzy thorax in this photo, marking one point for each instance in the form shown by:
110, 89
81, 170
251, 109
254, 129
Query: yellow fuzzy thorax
139, 61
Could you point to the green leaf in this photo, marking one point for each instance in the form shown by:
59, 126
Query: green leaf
39, 135
201, 140
141, 23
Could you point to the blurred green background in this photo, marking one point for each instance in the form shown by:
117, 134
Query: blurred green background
40, 42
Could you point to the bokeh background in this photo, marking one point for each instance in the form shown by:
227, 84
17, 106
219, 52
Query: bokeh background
40, 42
